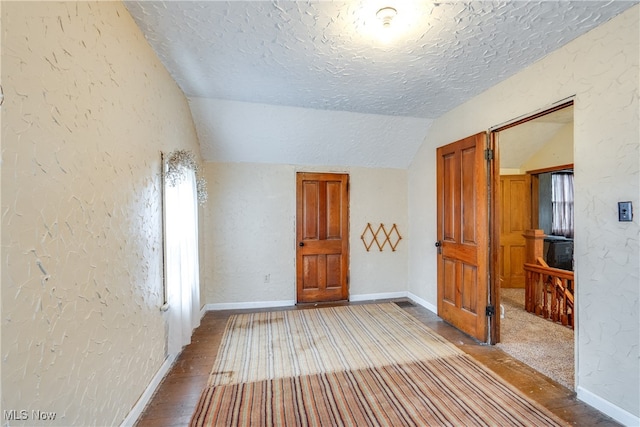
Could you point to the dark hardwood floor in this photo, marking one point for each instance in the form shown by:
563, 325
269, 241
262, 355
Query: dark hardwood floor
175, 400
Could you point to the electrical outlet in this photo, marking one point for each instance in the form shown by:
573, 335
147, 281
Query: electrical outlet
625, 211
267, 278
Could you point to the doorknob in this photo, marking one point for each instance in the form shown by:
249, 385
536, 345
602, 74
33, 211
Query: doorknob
301, 244
439, 246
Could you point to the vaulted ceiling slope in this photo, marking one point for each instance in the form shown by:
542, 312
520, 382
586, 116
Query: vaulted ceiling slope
327, 55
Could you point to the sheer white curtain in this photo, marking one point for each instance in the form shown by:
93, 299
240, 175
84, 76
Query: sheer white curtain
181, 252
562, 204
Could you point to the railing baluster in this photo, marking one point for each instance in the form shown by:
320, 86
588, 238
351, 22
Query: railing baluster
549, 293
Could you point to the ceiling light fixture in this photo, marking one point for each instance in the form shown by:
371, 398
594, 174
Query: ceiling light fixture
386, 15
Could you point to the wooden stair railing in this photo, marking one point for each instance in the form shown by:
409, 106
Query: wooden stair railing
549, 292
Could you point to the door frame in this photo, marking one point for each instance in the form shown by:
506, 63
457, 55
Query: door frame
494, 212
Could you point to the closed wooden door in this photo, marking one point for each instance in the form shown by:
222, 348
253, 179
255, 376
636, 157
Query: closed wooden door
463, 235
322, 230
515, 219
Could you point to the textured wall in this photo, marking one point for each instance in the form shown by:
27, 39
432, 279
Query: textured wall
88, 108
256, 133
601, 69
250, 217
250, 231
378, 196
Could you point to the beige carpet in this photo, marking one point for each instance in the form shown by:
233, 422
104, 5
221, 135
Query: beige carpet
545, 346
371, 364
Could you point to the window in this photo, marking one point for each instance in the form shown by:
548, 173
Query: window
562, 204
181, 251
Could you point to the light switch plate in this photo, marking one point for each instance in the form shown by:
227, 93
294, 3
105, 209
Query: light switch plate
625, 211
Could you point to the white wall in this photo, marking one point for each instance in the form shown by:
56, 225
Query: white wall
234, 132
555, 152
601, 70
88, 108
250, 232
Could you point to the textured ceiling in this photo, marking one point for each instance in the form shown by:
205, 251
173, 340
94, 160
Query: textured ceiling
327, 55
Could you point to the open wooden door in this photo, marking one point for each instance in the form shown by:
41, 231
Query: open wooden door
322, 231
463, 235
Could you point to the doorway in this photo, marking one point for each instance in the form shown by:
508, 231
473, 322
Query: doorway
528, 152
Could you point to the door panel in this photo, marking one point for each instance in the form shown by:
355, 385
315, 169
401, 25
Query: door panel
463, 235
515, 209
310, 205
469, 284
333, 271
468, 173
322, 232
334, 216
448, 197
449, 281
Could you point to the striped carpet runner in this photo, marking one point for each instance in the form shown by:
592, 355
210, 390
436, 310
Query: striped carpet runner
370, 364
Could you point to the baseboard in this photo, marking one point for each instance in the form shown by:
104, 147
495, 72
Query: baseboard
374, 297
289, 303
608, 408
146, 396
426, 304
203, 310
246, 305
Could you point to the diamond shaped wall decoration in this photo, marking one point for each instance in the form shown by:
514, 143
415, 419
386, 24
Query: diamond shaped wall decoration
369, 237
393, 236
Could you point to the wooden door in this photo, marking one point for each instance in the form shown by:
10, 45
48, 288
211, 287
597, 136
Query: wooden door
322, 230
463, 235
515, 218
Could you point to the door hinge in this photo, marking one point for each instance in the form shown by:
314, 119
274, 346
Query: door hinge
488, 154
490, 311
